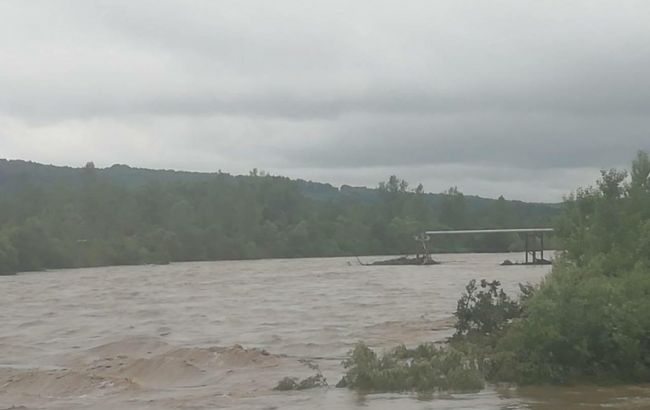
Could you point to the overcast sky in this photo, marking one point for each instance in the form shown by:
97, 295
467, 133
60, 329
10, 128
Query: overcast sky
528, 99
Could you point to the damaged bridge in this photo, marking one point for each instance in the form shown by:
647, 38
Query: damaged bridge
533, 256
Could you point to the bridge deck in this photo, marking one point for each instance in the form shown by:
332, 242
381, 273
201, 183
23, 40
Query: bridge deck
473, 231
535, 232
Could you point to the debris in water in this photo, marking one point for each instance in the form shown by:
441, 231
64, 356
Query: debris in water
292, 383
404, 260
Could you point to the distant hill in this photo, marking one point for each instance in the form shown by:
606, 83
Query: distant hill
16, 173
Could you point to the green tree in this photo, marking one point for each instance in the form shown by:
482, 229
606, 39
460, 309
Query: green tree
590, 319
641, 172
453, 210
8, 255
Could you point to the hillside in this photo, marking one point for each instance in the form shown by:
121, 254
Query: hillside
16, 173
53, 217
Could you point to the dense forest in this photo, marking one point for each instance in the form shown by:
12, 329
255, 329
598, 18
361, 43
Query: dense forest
56, 217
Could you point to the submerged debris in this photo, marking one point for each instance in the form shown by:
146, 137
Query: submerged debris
293, 383
405, 260
536, 261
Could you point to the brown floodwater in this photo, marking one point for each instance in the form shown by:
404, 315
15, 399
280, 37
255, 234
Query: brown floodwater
222, 334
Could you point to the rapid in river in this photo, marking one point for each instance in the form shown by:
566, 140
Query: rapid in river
222, 334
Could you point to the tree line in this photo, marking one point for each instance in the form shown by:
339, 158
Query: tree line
88, 219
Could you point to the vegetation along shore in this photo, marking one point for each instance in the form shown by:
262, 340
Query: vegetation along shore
587, 322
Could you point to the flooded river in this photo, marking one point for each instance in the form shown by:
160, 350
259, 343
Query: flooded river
222, 334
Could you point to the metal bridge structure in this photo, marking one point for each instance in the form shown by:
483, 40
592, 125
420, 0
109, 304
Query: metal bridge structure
532, 257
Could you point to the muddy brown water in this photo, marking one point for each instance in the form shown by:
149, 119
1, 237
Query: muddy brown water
222, 334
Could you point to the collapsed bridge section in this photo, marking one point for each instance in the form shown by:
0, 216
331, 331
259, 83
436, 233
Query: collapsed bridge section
532, 257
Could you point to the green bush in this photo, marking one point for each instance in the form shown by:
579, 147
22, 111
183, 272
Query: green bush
424, 369
487, 309
590, 318
584, 328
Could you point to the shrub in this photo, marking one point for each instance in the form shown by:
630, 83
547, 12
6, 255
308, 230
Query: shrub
486, 309
581, 327
424, 369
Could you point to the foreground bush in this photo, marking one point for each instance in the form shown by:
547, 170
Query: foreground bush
485, 308
425, 369
590, 318
583, 327
463, 365
575, 328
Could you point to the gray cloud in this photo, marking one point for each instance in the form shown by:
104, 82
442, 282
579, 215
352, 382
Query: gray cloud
524, 141
332, 90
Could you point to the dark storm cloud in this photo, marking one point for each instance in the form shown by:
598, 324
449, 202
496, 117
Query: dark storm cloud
333, 85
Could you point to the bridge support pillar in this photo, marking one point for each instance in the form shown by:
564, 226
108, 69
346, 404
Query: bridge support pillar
531, 251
